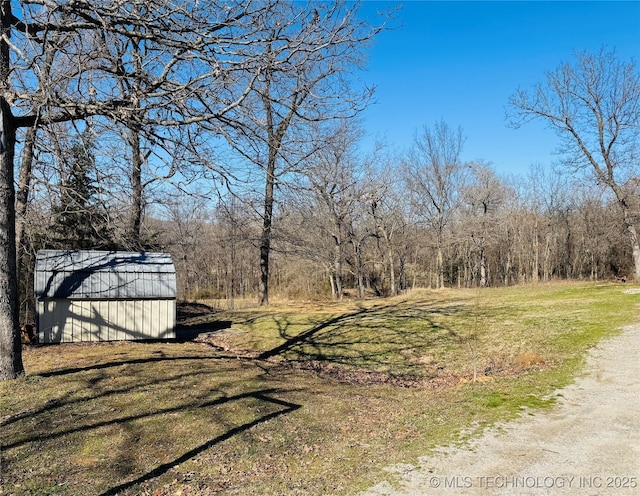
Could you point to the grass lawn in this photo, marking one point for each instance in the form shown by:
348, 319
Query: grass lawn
296, 398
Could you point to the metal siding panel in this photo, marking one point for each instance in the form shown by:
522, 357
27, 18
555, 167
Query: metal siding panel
85, 274
77, 310
117, 285
39, 282
97, 321
155, 321
93, 324
172, 318
147, 328
127, 317
60, 314
168, 315
97, 285
82, 320
105, 322
85, 320
50, 330
147, 284
63, 318
139, 319
58, 322
102, 324
105, 309
90, 324
44, 322
131, 319
82, 316
41, 321
114, 320
50, 327
75, 320
123, 319
161, 318
130, 315
135, 319
130, 323
39, 318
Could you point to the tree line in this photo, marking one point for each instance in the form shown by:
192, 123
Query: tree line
374, 231
227, 134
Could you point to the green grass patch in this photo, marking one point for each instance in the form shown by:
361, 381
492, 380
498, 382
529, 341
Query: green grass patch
297, 398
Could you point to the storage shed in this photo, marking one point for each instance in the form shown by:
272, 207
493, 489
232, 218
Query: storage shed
104, 296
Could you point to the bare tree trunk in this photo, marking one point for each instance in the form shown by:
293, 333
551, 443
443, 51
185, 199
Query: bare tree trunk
267, 221
392, 273
546, 273
24, 185
22, 199
439, 268
357, 252
135, 221
535, 263
337, 268
507, 269
635, 246
483, 268
334, 287
11, 348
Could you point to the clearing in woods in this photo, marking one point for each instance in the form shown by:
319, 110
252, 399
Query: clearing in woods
317, 399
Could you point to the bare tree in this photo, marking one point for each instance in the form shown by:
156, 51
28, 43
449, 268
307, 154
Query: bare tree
308, 49
435, 176
333, 183
483, 197
594, 106
386, 204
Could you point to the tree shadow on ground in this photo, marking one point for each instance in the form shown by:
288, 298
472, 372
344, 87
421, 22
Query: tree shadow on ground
284, 407
101, 394
190, 332
192, 321
188, 309
392, 337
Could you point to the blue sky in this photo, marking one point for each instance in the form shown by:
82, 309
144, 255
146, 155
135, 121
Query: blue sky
460, 62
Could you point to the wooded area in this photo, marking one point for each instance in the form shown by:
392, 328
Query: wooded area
227, 134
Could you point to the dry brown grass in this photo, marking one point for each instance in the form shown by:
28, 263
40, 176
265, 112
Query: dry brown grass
293, 399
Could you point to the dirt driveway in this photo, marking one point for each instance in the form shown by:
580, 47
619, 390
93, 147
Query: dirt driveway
587, 444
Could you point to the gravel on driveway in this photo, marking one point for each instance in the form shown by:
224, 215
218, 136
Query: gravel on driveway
587, 444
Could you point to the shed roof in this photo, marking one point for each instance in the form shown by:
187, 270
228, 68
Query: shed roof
104, 275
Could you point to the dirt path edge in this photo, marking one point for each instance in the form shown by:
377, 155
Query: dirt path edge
588, 443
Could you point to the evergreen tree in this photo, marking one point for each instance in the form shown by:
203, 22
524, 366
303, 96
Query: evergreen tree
79, 219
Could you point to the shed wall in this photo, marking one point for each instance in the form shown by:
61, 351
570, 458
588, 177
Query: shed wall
62, 320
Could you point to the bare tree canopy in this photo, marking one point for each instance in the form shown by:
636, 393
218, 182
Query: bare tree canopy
148, 64
594, 105
435, 176
309, 53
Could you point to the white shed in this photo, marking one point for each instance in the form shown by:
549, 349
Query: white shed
104, 296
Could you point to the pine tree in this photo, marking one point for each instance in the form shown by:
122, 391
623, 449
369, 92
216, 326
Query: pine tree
79, 220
